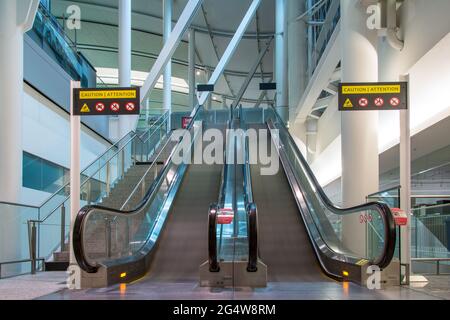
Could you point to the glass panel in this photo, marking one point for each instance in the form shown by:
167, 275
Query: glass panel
14, 230
328, 222
97, 181
108, 236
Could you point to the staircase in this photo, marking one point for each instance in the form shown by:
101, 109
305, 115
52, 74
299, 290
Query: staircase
116, 199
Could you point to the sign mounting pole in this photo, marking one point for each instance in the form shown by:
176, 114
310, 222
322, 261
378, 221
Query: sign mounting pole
74, 170
405, 182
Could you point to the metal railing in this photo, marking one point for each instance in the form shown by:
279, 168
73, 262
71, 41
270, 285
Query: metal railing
97, 181
322, 17
437, 261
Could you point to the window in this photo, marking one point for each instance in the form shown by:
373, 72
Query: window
42, 175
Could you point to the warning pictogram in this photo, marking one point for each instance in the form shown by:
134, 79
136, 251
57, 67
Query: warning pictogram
115, 107
130, 106
99, 107
85, 109
395, 101
348, 104
363, 102
379, 102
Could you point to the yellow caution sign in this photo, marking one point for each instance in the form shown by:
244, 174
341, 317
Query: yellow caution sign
85, 109
348, 104
107, 94
373, 89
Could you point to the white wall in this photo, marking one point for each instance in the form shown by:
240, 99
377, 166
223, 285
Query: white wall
425, 29
47, 135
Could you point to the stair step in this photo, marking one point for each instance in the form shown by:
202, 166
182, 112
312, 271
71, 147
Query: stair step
61, 256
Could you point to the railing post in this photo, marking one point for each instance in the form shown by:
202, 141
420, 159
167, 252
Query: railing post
142, 151
88, 196
108, 178
32, 244
438, 267
133, 144
63, 228
143, 188
122, 153
417, 240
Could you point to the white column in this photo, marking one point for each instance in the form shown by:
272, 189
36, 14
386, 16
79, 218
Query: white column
167, 94
15, 18
359, 129
191, 68
281, 59
75, 183
224, 102
125, 122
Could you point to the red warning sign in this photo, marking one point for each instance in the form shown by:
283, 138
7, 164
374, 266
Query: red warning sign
130, 106
115, 107
395, 101
363, 102
100, 107
379, 102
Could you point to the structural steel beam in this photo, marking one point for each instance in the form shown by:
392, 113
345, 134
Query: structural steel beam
232, 46
168, 50
251, 73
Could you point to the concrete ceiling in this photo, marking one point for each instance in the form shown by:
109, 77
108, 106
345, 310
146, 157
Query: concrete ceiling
99, 28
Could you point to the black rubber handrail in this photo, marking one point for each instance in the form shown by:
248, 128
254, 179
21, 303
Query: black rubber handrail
252, 229
80, 219
383, 209
212, 238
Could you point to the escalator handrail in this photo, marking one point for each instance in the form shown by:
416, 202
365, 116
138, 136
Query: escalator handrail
213, 210
212, 238
383, 209
252, 216
84, 213
252, 212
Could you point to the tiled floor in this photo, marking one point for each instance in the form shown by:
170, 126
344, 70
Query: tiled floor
437, 286
326, 290
51, 286
29, 287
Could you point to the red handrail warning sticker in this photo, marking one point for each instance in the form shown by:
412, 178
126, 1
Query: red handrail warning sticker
225, 216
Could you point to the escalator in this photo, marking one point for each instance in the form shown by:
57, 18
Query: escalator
284, 245
182, 247
163, 238
169, 234
300, 229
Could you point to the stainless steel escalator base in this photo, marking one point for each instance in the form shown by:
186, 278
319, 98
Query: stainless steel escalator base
233, 274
